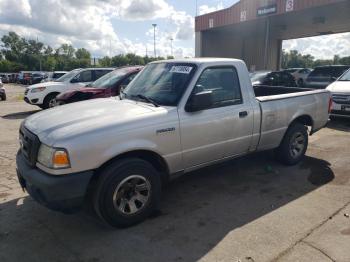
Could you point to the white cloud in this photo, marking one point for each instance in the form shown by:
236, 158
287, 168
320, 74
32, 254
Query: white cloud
321, 47
204, 9
87, 23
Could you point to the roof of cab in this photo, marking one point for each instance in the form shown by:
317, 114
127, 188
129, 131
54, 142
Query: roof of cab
199, 60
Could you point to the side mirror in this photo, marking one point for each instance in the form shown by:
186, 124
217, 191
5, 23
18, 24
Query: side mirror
199, 101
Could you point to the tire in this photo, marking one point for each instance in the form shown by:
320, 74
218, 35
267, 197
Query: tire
123, 177
49, 101
301, 82
293, 146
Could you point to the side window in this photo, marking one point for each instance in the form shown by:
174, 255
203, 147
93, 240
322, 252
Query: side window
99, 73
127, 80
224, 84
273, 79
84, 76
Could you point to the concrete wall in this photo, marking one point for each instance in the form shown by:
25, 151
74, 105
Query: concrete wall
237, 44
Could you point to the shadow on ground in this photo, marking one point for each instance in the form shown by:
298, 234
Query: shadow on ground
19, 115
340, 124
198, 211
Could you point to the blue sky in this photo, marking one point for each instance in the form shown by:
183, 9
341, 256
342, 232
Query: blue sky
110, 27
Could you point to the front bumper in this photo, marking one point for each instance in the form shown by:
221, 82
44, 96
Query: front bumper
63, 193
34, 101
338, 110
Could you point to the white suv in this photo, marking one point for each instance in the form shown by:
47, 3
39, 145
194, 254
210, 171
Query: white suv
340, 90
44, 94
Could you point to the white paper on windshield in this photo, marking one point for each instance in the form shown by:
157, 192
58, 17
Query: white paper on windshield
181, 69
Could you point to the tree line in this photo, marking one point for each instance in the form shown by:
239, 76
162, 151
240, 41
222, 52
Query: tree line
18, 53
294, 59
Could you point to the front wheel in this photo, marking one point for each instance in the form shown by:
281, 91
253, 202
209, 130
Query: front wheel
127, 192
293, 146
49, 101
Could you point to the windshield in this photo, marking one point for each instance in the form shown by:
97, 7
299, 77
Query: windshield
67, 76
163, 83
257, 76
345, 77
110, 79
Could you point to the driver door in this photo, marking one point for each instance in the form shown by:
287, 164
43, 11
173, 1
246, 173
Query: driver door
223, 129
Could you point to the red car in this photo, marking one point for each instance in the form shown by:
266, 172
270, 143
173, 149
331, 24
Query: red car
106, 86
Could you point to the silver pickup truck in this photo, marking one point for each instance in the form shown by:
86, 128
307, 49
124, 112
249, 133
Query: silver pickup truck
174, 117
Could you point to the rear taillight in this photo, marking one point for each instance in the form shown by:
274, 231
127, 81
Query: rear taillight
330, 105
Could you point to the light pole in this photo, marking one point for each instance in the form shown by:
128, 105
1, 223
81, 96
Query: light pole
171, 45
154, 39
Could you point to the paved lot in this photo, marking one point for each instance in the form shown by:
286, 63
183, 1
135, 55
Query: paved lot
249, 209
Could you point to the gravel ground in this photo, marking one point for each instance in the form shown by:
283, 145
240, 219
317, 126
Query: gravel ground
248, 209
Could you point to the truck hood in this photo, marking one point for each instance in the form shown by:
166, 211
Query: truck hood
75, 119
339, 87
47, 84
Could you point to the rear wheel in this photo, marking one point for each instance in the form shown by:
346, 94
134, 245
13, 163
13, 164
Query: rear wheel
127, 192
293, 146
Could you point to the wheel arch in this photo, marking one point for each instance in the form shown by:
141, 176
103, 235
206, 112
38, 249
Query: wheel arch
305, 119
157, 161
50, 94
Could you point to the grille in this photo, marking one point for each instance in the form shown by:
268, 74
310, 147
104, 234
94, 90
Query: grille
29, 145
340, 112
26, 91
341, 99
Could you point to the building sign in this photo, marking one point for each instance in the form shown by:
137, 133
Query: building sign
289, 5
211, 23
267, 10
243, 16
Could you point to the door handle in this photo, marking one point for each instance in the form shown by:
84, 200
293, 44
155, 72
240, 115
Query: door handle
243, 114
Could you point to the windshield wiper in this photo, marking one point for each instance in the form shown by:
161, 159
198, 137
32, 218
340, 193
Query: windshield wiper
149, 100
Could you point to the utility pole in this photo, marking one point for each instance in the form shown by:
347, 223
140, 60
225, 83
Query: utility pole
171, 45
154, 39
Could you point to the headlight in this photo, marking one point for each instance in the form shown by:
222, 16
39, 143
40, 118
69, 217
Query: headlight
38, 89
56, 158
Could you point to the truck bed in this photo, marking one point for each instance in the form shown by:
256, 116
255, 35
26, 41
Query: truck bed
261, 90
280, 105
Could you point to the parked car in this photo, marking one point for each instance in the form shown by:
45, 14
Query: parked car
322, 76
106, 86
53, 76
299, 74
2, 92
340, 90
5, 78
36, 78
277, 78
44, 94
174, 117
